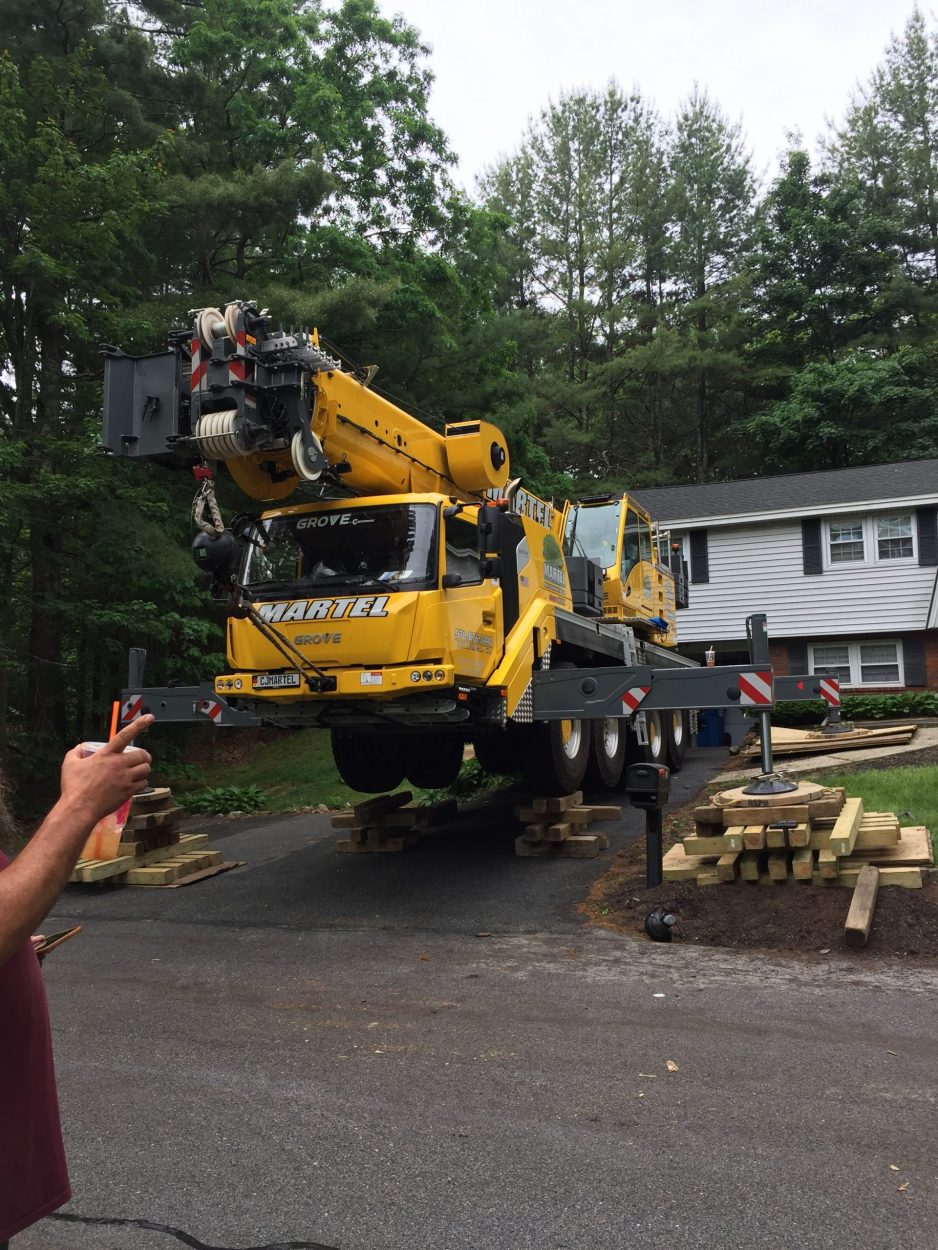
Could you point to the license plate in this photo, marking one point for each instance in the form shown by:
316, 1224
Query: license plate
275, 681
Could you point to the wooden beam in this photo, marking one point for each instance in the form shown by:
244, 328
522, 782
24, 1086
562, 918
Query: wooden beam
754, 837
802, 864
762, 815
827, 863
860, 915
778, 865
728, 866
749, 865
733, 838
844, 832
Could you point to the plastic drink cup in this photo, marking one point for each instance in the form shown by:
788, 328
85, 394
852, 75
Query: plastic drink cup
104, 839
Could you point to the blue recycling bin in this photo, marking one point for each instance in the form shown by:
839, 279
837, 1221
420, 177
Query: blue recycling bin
710, 727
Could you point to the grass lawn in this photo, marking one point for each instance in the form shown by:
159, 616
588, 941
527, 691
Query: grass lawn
294, 770
911, 792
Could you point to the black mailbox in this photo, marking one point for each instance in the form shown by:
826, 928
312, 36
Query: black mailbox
647, 785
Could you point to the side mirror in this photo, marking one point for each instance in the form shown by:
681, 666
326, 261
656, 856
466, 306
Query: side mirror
450, 580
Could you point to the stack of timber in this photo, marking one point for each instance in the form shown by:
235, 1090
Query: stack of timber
388, 823
152, 851
557, 826
812, 835
814, 741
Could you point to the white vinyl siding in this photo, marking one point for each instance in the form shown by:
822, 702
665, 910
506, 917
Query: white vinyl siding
759, 568
859, 663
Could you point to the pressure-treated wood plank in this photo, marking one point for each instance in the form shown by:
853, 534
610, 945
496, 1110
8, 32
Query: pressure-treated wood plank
676, 866
802, 863
860, 915
378, 806
914, 848
704, 846
733, 838
844, 832
754, 837
778, 865
827, 863
910, 878
749, 863
775, 839
761, 815
558, 803
728, 866
708, 815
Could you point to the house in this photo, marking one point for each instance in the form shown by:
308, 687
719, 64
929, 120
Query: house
844, 564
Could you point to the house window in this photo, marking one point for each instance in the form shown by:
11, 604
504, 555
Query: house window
869, 540
846, 542
859, 663
894, 538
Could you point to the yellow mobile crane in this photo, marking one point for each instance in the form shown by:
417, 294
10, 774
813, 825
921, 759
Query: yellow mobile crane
397, 587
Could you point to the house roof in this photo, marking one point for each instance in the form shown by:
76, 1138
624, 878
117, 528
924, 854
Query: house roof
793, 493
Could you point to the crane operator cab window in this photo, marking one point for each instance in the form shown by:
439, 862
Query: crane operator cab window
632, 544
462, 549
391, 546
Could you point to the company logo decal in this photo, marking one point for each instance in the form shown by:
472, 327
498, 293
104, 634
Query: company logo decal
324, 609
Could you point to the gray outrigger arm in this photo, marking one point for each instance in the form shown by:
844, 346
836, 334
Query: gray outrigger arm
596, 693
177, 704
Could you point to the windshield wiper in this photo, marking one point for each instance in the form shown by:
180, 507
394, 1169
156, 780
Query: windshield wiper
352, 579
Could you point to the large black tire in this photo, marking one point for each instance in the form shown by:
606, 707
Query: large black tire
370, 762
497, 751
433, 761
678, 736
554, 754
608, 743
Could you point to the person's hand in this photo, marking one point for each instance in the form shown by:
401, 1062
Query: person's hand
37, 940
100, 783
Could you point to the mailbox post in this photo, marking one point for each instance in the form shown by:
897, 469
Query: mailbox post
647, 786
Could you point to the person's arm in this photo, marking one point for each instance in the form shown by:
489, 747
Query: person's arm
91, 787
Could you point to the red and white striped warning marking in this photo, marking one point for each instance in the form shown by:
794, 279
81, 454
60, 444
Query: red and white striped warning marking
632, 698
210, 708
830, 691
198, 369
131, 708
755, 689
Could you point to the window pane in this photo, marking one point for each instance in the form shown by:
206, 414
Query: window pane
894, 537
834, 660
462, 548
846, 541
879, 663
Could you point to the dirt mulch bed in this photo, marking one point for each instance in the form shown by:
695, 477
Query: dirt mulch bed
793, 919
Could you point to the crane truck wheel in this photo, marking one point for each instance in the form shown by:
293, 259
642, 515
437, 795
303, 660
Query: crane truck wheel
678, 735
607, 752
554, 754
657, 749
497, 752
433, 761
370, 762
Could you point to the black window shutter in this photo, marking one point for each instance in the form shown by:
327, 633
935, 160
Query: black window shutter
811, 545
797, 657
913, 660
927, 522
699, 560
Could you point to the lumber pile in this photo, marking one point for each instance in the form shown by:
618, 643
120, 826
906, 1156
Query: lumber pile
812, 836
557, 827
152, 851
814, 742
388, 823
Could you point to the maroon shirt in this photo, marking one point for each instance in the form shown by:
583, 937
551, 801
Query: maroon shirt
33, 1175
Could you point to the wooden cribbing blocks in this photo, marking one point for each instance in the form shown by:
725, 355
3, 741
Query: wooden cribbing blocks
556, 827
860, 915
388, 824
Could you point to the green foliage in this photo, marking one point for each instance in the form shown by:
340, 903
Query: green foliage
910, 703
219, 800
472, 783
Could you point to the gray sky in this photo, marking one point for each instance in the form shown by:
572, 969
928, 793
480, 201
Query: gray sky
775, 64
